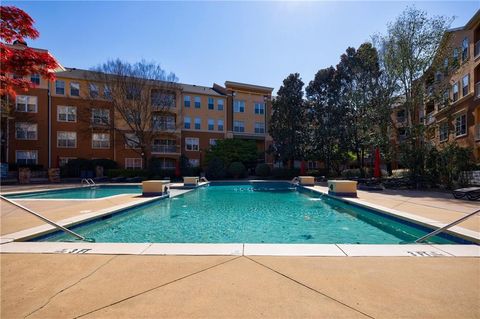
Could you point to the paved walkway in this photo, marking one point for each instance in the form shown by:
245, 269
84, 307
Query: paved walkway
96, 286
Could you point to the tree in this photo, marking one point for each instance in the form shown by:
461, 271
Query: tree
143, 98
287, 122
328, 119
414, 44
19, 60
233, 150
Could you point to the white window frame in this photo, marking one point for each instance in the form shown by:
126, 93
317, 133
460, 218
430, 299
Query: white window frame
66, 139
25, 128
29, 99
134, 161
441, 132
100, 141
72, 87
259, 126
220, 104
65, 110
467, 76
241, 129
259, 108
211, 123
186, 99
220, 125
96, 91
100, 116
464, 115
192, 144
198, 121
57, 87
213, 141
27, 151
188, 120
211, 99
198, 100
455, 86
62, 161
238, 106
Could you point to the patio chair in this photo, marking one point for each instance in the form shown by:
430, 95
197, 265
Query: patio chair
472, 193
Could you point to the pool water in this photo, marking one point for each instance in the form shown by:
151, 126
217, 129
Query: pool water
81, 193
238, 214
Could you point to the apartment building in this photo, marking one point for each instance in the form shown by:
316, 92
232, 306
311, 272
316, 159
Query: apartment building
73, 117
451, 110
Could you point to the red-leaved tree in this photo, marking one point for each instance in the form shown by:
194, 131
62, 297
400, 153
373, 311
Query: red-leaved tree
15, 26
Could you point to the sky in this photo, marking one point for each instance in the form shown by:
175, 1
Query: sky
213, 42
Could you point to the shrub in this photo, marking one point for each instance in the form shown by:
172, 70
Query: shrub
262, 170
127, 173
285, 173
351, 173
216, 169
237, 169
105, 163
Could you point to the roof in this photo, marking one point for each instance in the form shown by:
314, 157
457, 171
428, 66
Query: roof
198, 89
25, 46
470, 24
248, 86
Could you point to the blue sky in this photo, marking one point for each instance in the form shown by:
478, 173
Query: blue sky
206, 42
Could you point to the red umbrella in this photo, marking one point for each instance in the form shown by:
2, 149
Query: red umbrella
302, 168
377, 173
177, 169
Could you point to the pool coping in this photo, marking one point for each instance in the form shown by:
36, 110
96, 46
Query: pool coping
15, 242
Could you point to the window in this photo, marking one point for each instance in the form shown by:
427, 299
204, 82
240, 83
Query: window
74, 89
259, 128
465, 49
186, 101
259, 108
312, 164
197, 102
93, 90
220, 104
62, 161
132, 141
465, 85
164, 146
100, 140
100, 116
213, 141
438, 76
133, 93
163, 122
66, 113
60, 87
211, 105
211, 124
67, 139
26, 157
186, 122
238, 106
220, 125
443, 132
455, 55
25, 131
35, 79
133, 163
107, 93
446, 97
401, 116
238, 126
445, 65
162, 99
402, 133
461, 125
198, 123
194, 162
455, 92
26, 103
192, 144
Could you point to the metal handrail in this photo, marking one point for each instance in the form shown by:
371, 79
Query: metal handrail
295, 180
435, 232
68, 231
91, 182
85, 181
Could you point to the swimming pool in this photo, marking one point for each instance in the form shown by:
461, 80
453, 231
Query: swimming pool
240, 213
81, 192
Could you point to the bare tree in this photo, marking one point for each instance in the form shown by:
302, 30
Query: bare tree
143, 98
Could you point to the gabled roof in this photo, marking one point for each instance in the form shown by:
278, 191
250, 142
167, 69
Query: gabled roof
246, 86
198, 89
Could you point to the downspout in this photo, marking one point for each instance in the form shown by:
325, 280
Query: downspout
49, 100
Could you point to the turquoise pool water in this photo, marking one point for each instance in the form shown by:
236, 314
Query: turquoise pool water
82, 193
238, 214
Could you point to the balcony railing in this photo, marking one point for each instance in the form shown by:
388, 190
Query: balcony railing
164, 149
429, 119
477, 89
477, 132
477, 49
164, 127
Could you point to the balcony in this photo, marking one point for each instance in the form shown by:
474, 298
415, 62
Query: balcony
477, 49
477, 132
430, 118
477, 90
164, 149
164, 127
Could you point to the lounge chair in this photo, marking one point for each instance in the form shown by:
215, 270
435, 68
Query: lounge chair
472, 193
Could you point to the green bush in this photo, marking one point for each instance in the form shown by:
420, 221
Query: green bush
127, 173
262, 170
351, 173
74, 167
237, 169
234, 150
216, 169
105, 163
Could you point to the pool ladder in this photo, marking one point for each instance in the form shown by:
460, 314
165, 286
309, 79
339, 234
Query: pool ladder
295, 180
439, 230
45, 219
88, 182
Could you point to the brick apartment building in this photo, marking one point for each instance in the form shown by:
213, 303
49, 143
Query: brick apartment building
65, 119
455, 116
